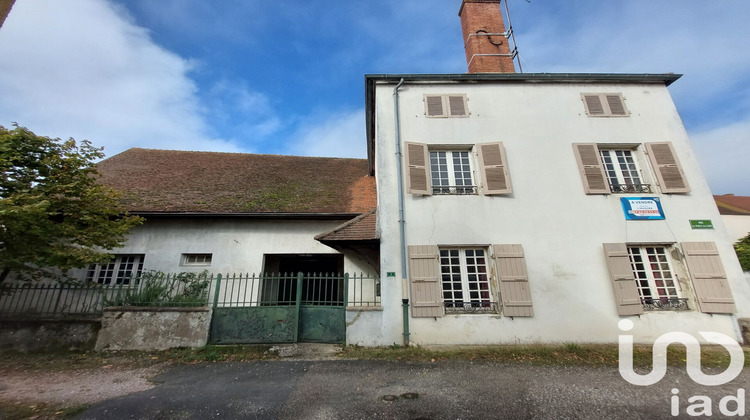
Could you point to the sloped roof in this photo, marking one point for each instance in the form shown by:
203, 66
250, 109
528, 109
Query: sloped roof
733, 204
361, 228
170, 181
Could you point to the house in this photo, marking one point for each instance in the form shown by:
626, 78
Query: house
545, 208
735, 213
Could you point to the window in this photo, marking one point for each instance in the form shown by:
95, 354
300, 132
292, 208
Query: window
451, 172
446, 106
604, 105
654, 278
196, 259
448, 170
622, 172
120, 270
465, 280
608, 168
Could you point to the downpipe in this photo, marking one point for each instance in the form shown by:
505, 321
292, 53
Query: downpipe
401, 218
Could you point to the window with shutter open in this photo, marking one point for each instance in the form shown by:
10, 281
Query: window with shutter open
417, 169
494, 169
446, 106
514, 280
621, 275
709, 278
591, 168
668, 170
604, 105
424, 277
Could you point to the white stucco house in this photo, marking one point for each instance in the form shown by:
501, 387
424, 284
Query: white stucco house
523, 208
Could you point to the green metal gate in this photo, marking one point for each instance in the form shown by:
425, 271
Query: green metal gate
279, 309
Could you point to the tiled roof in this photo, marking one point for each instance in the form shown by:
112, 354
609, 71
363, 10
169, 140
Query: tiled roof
733, 204
172, 181
361, 228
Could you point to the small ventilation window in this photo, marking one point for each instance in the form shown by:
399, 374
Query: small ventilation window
446, 106
604, 105
196, 259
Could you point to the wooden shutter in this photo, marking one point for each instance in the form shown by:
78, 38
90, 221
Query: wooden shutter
616, 105
708, 276
594, 104
417, 169
668, 170
434, 106
494, 169
514, 280
424, 276
591, 168
623, 280
457, 105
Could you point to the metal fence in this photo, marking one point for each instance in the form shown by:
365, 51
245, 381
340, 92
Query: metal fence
183, 289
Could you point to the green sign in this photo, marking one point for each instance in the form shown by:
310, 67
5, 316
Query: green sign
701, 224
391, 274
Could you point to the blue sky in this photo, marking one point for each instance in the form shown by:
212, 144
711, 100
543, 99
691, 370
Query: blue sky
287, 77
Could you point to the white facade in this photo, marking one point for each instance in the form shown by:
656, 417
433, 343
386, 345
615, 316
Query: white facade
737, 225
236, 245
560, 228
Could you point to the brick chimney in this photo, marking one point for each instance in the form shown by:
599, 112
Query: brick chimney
486, 51
5, 6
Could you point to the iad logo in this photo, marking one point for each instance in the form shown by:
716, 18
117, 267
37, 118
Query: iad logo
702, 405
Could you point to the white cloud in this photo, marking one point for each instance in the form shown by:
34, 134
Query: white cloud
339, 134
83, 69
724, 155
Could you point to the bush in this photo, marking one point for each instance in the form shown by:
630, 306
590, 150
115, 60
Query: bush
742, 248
156, 288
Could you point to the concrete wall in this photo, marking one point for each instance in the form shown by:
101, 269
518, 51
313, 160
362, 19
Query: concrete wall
153, 328
48, 335
560, 227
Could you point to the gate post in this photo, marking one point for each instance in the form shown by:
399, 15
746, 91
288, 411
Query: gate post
298, 304
216, 290
346, 288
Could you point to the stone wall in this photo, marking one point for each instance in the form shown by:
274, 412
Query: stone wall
48, 335
148, 328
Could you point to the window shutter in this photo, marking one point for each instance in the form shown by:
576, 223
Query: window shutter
623, 281
594, 104
591, 168
514, 280
709, 278
457, 105
667, 167
616, 105
418, 177
434, 105
424, 276
494, 169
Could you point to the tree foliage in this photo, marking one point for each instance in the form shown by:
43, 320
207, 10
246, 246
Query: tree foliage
742, 248
53, 213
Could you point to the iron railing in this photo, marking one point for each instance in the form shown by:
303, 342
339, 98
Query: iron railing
630, 188
484, 307
664, 304
34, 300
454, 190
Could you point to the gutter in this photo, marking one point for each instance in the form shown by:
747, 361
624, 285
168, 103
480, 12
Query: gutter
401, 218
267, 215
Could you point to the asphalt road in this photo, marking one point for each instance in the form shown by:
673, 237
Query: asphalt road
350, 389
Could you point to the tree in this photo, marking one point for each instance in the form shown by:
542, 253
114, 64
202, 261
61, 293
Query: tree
742, 248
53, 212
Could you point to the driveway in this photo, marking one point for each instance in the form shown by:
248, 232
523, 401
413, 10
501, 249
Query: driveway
350, 389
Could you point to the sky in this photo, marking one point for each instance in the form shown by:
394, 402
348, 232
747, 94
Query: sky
287, 77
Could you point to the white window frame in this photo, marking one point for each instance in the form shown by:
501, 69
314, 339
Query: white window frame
606, 111
450, 155
623, 181
657, 283
119, 270
456, 261
196, 259
445, 100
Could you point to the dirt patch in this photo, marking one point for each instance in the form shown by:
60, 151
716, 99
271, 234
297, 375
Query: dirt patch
48, 388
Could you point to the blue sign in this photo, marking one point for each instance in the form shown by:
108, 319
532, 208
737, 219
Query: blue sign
642, 208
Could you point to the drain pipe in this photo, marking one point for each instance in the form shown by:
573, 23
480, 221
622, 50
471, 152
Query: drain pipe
401, 220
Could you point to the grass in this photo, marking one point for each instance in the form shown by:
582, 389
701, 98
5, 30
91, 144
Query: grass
570, 354
18, 410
